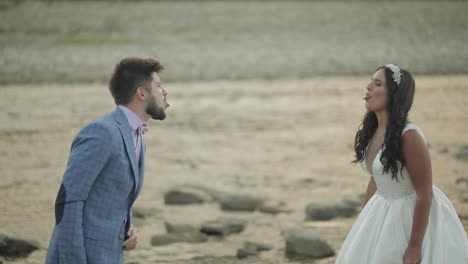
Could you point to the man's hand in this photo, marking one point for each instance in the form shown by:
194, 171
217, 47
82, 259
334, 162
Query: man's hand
132, 241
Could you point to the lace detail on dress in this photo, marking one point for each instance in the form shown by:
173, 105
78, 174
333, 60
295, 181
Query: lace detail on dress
408, 195
387, 187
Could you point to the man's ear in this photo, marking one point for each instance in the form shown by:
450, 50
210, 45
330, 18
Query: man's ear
140, 93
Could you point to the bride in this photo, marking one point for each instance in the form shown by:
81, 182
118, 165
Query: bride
405, 219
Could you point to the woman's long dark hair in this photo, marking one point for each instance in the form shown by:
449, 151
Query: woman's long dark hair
400, 99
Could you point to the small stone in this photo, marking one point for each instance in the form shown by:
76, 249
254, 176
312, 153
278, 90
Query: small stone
444, 150
142, 212
187, 237
175, 227
462, 183
246, 252
354, 201
273, 209
214, 194
464, 197
258, 246
223, 226
233, 202
462, 153
185, 196
327, 211
306, 243
16, 247
214, 260
251, 249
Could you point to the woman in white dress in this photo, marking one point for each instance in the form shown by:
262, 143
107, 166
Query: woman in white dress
405, 219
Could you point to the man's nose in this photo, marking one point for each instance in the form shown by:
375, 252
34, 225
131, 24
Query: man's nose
164, 92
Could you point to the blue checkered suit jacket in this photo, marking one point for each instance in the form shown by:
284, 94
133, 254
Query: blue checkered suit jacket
99, 187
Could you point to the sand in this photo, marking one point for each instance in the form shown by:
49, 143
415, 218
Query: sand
288, 140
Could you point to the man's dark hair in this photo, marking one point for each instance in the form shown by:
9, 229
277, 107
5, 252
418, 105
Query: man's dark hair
129, 74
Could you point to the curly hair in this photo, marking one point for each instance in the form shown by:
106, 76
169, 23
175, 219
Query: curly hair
400, 99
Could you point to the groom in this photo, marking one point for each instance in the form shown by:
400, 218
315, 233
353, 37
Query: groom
104, 175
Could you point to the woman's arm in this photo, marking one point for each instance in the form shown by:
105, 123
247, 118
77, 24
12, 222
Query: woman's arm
371, 188
418, 164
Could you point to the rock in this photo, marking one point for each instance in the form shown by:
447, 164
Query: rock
306, 182
462, 153
178, 232
354, 201
462, 188
223, 226
245, 252
273, 209
216, 260
16, 247
144, 212
462, 184
175, 227
227, 201
463, 196
215, 194
306, 243
232, 202
252, 249
185, 237
444, 150
462, 211
258, 246
185, 195
327, 211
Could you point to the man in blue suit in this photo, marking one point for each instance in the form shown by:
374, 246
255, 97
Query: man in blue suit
105, 171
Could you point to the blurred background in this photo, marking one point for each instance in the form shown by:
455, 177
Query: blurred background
266, 100
80, 41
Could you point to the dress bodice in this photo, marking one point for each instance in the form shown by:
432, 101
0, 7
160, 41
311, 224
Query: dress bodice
386, 185
384, 226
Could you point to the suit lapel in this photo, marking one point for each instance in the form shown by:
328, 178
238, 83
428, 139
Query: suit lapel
128, 140
141, 168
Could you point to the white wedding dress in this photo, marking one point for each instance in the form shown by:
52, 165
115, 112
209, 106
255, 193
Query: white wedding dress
381, 232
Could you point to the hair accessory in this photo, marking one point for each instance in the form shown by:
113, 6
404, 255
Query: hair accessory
396, 73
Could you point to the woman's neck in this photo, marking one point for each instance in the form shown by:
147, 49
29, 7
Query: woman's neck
382, 121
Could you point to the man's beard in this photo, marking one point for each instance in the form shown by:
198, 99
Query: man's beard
156, 112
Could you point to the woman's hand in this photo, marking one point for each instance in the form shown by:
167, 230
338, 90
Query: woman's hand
412, 255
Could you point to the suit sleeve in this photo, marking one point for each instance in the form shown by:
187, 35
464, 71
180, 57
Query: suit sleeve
89, 153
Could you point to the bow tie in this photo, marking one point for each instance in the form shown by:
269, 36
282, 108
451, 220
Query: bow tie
143, 128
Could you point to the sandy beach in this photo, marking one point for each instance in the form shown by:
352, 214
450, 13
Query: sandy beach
287, 141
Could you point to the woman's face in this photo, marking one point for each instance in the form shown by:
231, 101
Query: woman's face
376, 96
